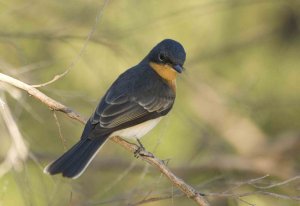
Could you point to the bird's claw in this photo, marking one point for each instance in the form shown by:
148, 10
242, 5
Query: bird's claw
137, 152
142, 152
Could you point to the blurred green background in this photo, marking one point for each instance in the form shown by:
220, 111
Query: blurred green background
236, 116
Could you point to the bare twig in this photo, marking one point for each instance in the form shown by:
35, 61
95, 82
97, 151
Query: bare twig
63, 140
265, 193
159, 164
152, 199
250, 182
276, 184
51, 103
18, 151
119, 178
238, 196
70, 200
154, 187
188, 190
89, 36
258, 192
244, 201
55, 78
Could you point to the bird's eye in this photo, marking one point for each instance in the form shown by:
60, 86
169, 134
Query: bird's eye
162, 57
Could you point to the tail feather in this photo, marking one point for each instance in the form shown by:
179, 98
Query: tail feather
74, 162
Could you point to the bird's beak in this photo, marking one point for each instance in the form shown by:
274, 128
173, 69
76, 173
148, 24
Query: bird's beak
178, 68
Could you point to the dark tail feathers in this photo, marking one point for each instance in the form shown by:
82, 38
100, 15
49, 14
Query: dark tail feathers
74, 162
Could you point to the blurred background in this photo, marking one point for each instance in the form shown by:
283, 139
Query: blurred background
235, 126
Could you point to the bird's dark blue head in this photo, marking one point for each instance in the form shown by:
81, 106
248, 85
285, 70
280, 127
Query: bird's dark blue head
168, 53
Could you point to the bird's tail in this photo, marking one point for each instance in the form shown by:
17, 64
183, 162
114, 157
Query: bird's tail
74, 162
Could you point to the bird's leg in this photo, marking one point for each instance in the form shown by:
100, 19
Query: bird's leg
141, 151
140, 144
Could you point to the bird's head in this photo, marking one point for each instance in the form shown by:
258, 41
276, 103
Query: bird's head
167, 58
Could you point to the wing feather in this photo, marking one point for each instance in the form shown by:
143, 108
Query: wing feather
126, 101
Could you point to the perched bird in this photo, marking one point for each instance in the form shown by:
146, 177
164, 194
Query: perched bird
131, 107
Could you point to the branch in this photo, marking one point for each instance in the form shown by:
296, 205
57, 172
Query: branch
51, 103
18, 151
55, 78
188, 190
259, 192
276, 184
229, 193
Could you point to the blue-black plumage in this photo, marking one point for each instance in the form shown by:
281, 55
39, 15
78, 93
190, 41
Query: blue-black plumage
131, 107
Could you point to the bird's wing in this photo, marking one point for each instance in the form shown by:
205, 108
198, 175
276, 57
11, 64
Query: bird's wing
130, 107
133, 104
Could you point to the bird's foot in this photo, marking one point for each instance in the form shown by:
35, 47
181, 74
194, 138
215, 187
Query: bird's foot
138, 152
141, 151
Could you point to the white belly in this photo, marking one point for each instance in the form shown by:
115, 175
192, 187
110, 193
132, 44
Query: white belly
137, 131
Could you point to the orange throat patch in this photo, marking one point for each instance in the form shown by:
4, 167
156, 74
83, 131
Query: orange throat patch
166, 72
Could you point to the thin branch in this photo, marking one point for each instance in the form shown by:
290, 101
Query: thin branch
272, 194
277, 184
55, 78
152, 199
89, 36
18, 151
237, 196
70, 199
258, 192
51, 103
119, 178
244, 201
63, 140
188, 190
240, 184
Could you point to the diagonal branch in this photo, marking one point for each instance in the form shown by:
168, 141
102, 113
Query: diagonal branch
51, 103
188, 190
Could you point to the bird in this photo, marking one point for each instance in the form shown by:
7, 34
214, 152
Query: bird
132, 106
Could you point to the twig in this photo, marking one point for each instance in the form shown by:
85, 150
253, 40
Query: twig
155, 186
89, 36
244, 201
188, 190
272, 194
152, 199
119, 178
236, 196
159, 164
250, 182
70, 199
51, 103
63, 140
18, 151
55, 78
276, 184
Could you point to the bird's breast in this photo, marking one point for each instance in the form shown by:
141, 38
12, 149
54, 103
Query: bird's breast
137, 131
